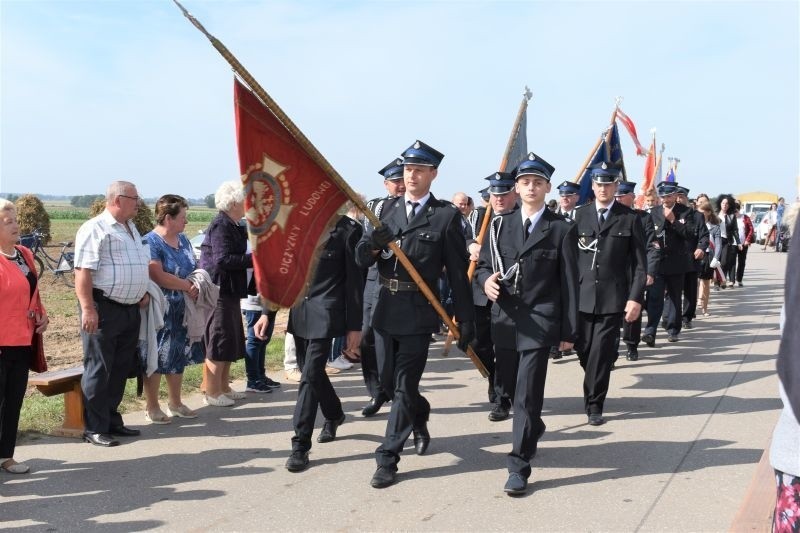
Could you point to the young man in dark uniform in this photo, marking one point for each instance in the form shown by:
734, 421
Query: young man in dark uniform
332, 307
393, 181
430, 232
611, 263
528, 267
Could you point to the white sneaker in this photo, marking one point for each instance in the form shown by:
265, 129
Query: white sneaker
219, 401
340, 363
294, 375
235, 395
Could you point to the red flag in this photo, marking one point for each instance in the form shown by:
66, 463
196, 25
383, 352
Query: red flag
628, 123
650, 168
290, 201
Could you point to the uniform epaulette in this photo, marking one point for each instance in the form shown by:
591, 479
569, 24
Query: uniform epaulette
584, 205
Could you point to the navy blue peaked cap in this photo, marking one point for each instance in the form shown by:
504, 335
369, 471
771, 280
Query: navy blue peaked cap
666, 188
682, 190
500, 183
568, 188
534, 165
484, 194
605, 173
393, 171
625, 187
420, 153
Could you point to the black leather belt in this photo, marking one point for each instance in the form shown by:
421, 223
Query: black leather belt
98, 295
395, 285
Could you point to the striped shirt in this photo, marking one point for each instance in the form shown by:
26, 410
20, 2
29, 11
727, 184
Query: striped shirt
119, 261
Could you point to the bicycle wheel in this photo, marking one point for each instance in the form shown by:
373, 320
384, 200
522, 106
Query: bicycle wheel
39, 266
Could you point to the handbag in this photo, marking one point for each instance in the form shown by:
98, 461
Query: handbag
38, 361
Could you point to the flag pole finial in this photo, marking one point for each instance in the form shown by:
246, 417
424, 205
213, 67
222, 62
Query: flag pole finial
617, 101
527, 94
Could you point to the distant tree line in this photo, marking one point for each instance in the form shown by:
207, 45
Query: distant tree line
85, 200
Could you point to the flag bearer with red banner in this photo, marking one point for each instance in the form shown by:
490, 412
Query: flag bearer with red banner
429, 231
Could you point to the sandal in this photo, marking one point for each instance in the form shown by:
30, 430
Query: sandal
13, 467
157, 417
181, 412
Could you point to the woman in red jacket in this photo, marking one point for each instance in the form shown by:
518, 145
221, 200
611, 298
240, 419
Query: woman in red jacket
21, 314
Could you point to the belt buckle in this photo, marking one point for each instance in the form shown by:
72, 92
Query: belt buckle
394, 286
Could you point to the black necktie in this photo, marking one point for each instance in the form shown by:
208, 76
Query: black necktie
414, 206
526, 229
601, 216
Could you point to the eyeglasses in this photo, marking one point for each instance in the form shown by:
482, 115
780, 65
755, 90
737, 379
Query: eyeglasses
136, 198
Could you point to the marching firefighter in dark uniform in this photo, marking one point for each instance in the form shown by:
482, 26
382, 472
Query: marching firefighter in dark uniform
393, 181
429, 231
632, 331
528, 268
332, 307
674, 227
503, 199
611, 243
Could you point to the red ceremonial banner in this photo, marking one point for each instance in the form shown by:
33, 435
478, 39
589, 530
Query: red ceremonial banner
290, 201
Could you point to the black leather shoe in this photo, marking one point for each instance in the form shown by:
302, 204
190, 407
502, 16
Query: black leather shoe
596, 419
100, 439
297, 462
123, 431
421, 439
499, 412
328, 432
687, 324
672, 337
373, 407
516, 485
633, 353
649, 340
383, 477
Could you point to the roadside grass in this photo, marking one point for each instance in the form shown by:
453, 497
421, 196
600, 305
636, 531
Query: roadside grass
41, 414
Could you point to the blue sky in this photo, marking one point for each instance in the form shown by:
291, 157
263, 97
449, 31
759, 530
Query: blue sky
95, 91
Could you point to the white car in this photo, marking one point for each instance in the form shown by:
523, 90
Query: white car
196, 241
762, 226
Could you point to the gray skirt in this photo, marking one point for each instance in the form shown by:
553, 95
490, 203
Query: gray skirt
225, 331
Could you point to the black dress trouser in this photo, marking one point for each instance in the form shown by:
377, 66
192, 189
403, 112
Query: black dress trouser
522, 376
315, 391
401, 361
598, 336
109, 356
14, 364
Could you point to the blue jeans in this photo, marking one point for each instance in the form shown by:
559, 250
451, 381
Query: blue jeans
255, 348
336, 348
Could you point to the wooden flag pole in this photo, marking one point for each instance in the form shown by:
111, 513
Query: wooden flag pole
596, 146
523, 107
320, 160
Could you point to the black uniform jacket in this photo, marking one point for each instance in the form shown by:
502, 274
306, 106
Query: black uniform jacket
432, 240
615, 273
653, 249
333, 301
699, 238
539, 308
478, 296
675, 239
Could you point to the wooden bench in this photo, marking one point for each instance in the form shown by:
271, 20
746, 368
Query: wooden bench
67, 382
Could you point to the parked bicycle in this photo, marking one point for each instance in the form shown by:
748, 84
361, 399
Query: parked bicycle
62, 267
